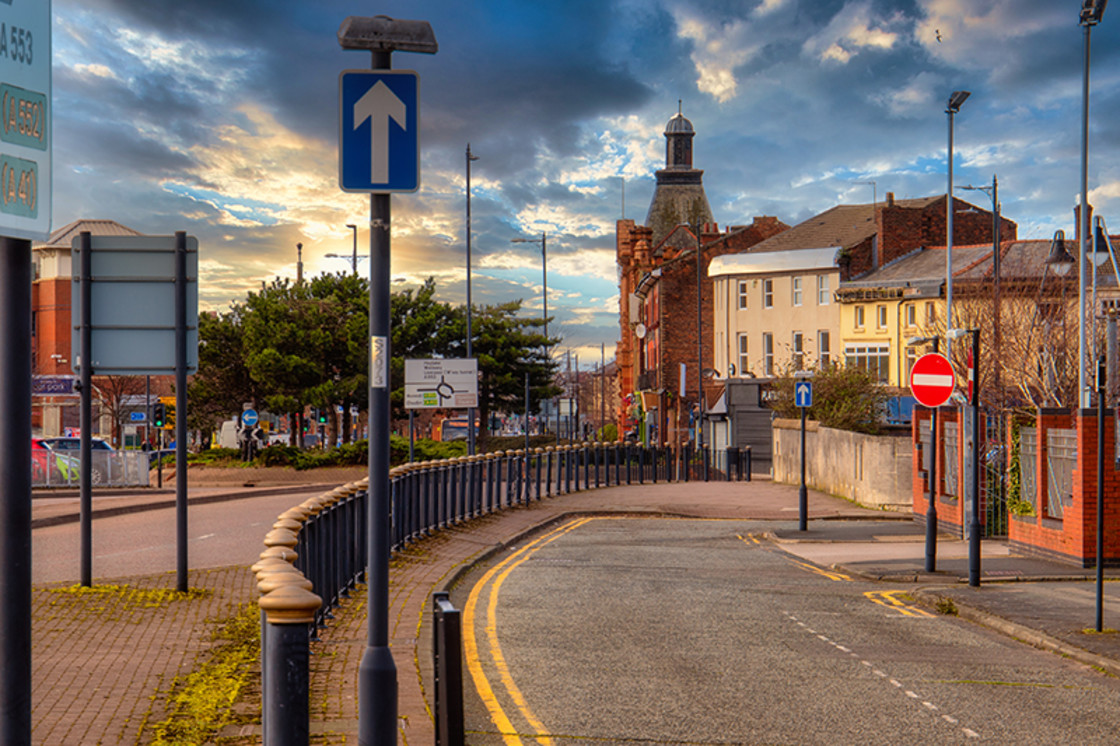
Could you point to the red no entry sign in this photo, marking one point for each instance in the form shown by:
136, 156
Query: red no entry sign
931, 380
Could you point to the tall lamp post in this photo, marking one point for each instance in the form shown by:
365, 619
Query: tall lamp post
1091, 13
955, 101
543, 241
992, 190
470, 333
974, 525
354, 254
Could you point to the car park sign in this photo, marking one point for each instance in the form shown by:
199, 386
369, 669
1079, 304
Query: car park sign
932, 380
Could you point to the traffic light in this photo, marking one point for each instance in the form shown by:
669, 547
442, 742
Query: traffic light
159, 414
314, 414
322, 416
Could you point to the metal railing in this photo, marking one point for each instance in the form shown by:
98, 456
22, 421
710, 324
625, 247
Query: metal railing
320, 544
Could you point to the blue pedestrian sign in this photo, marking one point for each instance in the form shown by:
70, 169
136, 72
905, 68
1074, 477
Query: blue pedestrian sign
249, 417
803, 394
379, 131
137, 417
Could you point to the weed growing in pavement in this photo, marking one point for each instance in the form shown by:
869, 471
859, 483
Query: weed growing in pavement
202, 703
946, 606
117, 602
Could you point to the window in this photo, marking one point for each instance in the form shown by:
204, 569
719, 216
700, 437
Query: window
797, 291
823, 295
742, 294
744, 361
824, 348
911, 315
767, 354
859, 317
872, 358
911, 358
931, 313
767, 293
798, 351
881, 317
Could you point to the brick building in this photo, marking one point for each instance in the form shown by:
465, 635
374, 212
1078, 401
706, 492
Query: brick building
54, 402
658, 291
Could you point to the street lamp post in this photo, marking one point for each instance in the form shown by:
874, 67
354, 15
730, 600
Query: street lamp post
354, 254
974, 525
470, 333
1091, 13
543, 241
992, 190
955, 101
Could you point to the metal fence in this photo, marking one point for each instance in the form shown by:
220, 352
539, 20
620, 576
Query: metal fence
1061, 460
320, 545
108, 468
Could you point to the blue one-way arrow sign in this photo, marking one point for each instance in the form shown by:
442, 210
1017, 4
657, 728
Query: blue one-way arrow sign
379, 131
803, 394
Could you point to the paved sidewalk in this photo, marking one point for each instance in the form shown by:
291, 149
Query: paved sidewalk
75, 651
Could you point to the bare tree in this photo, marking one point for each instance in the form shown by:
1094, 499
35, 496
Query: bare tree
112, 394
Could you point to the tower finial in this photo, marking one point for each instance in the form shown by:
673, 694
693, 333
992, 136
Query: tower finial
679, 106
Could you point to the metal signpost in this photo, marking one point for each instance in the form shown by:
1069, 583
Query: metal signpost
25, 215
125, 322
803, 399
932, 387
378, 153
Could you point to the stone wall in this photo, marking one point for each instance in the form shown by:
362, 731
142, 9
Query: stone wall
875, 471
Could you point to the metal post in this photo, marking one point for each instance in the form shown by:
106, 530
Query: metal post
949, 232
803, 493
377, 683
974, 532
1102, 375
180, 409
15, 482
931, 508
85, 414
1083, 229
470, 352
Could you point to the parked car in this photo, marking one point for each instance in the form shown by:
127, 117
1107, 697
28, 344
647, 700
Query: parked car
100, 456
50, 468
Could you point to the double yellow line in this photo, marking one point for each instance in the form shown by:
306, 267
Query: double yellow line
471, 648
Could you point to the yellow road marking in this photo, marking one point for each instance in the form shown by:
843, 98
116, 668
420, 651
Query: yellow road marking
470, 643
891, 600
750, 539
830, 574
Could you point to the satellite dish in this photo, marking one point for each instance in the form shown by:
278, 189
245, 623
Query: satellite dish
640, 331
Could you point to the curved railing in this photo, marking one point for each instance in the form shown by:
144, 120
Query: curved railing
315, 553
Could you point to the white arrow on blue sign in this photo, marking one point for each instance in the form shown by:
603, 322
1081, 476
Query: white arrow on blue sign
803, 394
249, 417
379, 131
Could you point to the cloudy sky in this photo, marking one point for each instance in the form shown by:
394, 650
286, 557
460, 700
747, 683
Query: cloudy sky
220, 117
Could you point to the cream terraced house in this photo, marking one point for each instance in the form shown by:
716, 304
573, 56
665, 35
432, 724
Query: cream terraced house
774, 311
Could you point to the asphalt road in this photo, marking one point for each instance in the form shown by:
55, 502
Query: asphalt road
654, 631
219, 534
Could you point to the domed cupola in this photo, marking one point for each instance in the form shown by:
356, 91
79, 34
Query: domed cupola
679, 195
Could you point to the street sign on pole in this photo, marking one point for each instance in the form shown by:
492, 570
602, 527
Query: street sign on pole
379, 131
803, 394
932, 380
25, 119
249, 417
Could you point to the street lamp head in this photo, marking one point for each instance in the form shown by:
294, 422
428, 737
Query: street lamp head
955, 101
385, 34
955, 334
915, 341
1060, 260
1092, 11
470, 156
351, 226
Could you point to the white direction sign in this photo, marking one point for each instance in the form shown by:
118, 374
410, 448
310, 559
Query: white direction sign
441, 384
25, 119
379, 131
